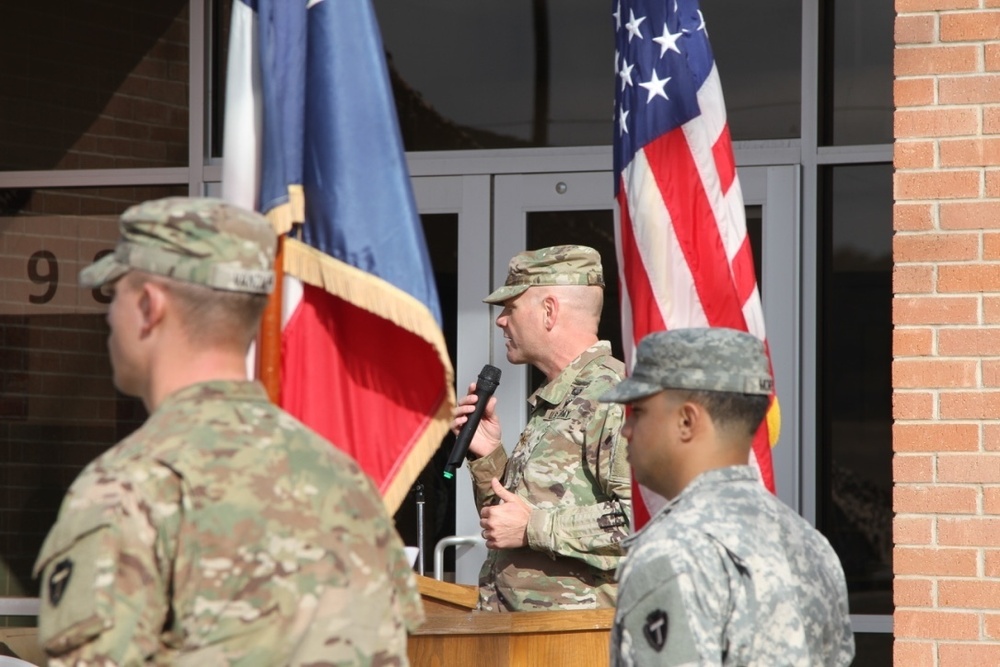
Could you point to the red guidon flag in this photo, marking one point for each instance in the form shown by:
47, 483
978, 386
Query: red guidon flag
682, 241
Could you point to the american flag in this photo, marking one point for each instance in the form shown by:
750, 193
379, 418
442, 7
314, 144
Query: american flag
683, 249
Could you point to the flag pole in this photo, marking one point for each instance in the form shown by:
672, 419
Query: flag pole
269, 337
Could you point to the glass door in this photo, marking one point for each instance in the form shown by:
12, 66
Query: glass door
455, 212
536, 210
497, 216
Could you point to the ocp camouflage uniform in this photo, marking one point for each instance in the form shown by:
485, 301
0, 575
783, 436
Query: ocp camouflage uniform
224, 532
570, 466
726, 574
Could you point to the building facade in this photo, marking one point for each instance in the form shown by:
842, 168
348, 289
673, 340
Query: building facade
946, 278
864, 151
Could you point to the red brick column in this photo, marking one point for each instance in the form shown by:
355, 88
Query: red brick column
946, 339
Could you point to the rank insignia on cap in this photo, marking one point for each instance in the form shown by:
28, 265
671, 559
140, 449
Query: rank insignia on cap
656, 629
59, 580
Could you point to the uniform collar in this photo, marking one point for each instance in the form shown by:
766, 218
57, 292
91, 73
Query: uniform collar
718, 476
555, 392
229, 390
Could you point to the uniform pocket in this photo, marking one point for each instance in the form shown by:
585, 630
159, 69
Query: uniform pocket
78, 563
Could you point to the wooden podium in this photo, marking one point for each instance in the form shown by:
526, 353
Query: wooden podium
455, 634
22, 643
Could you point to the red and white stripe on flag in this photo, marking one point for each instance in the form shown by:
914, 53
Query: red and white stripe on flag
683, 251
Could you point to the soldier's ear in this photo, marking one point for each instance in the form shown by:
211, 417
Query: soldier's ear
550, 311
153, 301
688, 420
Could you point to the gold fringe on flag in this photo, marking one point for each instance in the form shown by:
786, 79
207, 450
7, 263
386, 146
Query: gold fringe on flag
377, 296
773, 419
284, 216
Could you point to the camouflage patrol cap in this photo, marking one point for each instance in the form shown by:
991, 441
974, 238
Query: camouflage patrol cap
698, 359
195, 240
558, 265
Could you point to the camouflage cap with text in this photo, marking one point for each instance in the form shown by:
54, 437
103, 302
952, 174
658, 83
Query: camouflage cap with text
715, 359
556, 265
192, 239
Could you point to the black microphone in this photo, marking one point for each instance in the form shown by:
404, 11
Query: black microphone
486, 384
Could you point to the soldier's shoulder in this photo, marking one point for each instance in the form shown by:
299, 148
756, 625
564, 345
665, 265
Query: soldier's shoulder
606, 366
678, 534
604, 370
614, 365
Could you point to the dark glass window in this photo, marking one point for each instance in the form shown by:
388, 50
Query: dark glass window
503, 75
755, 232
854, 477
856, 48
873, 649
758, 50
221, 12
88, 85
509, 75
58, 408
500, 75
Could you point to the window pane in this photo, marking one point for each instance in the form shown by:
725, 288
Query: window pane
755, 232
221, 12
93, 85
541, 74
494, 75
856, 72
873, 650
758, 50
58, 409
855, 438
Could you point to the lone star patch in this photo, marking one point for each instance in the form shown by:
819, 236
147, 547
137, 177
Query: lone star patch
655, 629
59, 580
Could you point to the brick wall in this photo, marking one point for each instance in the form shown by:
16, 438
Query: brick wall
946, 340
93, 85
58, 408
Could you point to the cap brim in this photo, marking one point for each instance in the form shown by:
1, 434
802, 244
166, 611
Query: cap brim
102, 272
506, 292
629, 390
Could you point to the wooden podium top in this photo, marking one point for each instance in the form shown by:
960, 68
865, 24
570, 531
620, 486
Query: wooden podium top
455, 633
450, 609
458, 595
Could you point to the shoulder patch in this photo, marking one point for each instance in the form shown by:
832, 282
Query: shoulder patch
59, 580
655, 629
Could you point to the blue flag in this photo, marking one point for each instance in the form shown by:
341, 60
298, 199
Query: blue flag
315, 145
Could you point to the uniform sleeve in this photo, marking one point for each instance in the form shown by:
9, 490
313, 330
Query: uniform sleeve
592, 531
104, 576
483, 470
366, 621
653, 622
410, 603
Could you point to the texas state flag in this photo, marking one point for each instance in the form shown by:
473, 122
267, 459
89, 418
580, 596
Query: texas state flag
312, 141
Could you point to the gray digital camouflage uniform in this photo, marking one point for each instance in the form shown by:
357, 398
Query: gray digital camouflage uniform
726, 574
224, 532
570, 466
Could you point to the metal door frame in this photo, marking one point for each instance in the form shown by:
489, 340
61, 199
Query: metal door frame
492, 210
